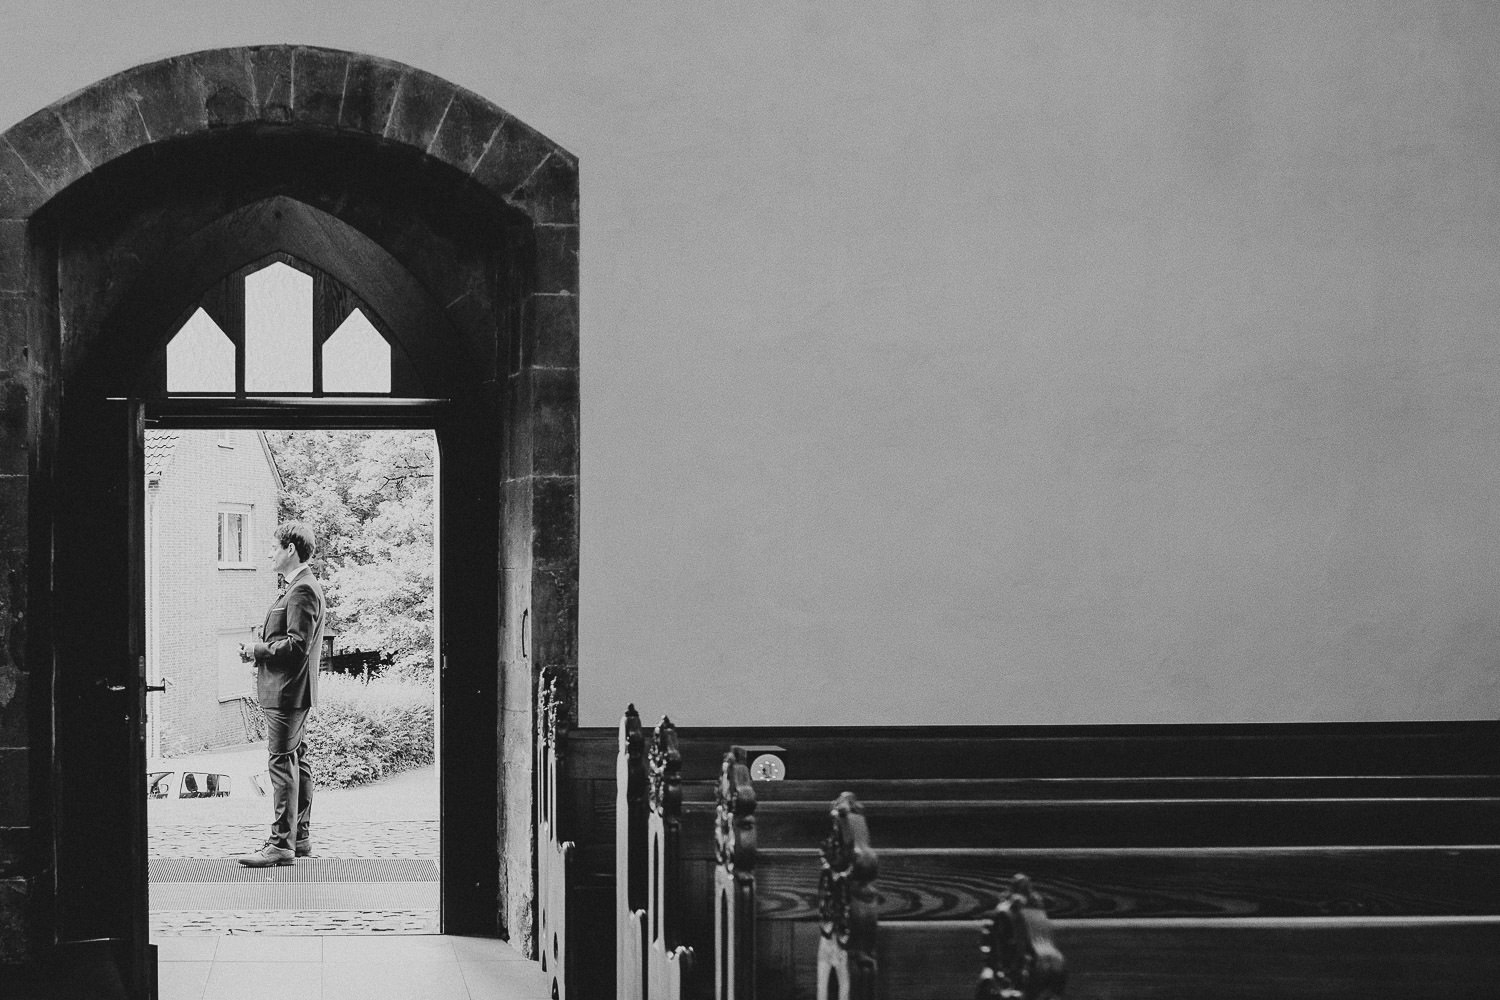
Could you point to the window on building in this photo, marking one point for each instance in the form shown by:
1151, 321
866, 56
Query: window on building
234, 538
226, 439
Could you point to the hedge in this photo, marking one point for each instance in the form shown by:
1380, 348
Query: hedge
362, 732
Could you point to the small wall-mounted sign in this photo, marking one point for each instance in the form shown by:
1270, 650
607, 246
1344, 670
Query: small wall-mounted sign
766, 763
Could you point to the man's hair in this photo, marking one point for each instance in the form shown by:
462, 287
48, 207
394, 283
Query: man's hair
297, 534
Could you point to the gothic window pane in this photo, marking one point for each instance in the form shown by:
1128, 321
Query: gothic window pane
200, 358
356, 358
278, 330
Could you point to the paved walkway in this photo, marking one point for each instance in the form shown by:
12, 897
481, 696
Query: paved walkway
211, 947
396, 818
373, 839
168, 924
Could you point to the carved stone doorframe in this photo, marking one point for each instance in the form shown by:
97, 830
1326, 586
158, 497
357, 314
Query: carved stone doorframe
96, 194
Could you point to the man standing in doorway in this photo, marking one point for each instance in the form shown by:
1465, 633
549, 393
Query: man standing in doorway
286, 684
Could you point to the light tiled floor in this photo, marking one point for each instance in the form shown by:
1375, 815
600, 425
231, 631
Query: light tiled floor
303, 967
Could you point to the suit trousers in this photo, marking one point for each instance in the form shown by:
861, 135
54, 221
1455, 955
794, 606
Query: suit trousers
291, 776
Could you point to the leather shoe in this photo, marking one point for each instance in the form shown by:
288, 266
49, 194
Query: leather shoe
269, 856
304, 848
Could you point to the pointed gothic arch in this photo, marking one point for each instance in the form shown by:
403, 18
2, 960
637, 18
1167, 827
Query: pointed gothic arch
126, 202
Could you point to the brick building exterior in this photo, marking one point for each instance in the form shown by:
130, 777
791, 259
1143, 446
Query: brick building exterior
210, 512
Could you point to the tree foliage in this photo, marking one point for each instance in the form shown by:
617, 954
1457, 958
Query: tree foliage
368, 497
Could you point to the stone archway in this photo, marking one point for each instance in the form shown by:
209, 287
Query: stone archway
137, 180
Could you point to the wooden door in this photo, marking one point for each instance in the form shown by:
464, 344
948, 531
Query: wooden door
99, 756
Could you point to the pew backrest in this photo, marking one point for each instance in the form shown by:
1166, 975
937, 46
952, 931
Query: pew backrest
734, 880
630, 859
555, 713
847, 967
669, 961
1019, 960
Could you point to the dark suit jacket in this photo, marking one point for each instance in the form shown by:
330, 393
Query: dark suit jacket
287, 657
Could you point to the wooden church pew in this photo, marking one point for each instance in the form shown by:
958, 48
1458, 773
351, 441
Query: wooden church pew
665, 920
1332, 958
872, 956
1009, 955
677, 918
1367, 762
1305, 857
574, 861
555, 879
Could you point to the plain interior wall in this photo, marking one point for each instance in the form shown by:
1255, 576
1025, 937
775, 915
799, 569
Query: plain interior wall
995, 363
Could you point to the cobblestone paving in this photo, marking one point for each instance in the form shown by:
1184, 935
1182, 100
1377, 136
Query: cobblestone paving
417, 839
186, 923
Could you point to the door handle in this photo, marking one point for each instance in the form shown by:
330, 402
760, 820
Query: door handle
155, 687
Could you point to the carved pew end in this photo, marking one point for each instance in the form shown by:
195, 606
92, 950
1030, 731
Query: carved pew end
846, 905
1020, 959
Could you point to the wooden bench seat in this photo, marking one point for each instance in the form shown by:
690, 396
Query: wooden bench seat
873, 957
1311, 866
1144, 823
1195, 959
924, 884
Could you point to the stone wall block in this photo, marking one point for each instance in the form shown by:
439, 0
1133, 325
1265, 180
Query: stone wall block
517, 439
20, 190
48, 151
13, 705
554, 517
517, 817
104, 121
421, 104
519, 726
557, 259
271, 77
514, 153
17, 313
554, 616
13, 844
15, 258
15, 428
169, 96
468, 127
15, 945
516, 539
318, 86
15, 772
369, 92
225, 85
14, 530
508, 472
552, 330
15, 508
13, 619
516, 584
554, 447
550, 193
513, 339
46, 394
